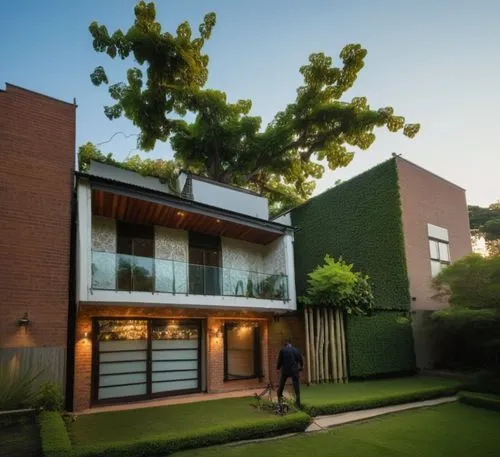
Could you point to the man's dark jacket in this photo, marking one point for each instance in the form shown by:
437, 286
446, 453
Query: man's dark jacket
290, 361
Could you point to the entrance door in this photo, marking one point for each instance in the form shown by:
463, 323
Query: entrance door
145, 358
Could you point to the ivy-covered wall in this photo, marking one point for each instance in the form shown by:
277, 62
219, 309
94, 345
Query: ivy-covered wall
359, 220
380, 344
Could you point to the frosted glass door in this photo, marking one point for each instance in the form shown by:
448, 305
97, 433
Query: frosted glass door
175, 357
122, 352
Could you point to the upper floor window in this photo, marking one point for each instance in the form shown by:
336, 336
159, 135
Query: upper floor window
439, 248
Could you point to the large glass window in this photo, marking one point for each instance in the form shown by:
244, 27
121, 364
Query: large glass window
242, 357
135, 248
204, 264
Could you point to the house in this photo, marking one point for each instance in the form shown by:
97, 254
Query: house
401, 225
176, 291
37, 155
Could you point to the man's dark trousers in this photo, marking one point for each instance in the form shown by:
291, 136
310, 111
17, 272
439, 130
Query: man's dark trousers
296, 386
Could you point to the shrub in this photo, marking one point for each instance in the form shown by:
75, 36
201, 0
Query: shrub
485, 401
16, 390
53, 435
485, 382
49, 397
166, 445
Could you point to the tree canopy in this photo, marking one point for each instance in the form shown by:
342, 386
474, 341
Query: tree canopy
485, 222
224, 142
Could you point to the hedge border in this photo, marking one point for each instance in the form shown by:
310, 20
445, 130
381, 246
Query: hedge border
335, 408
166, 445
485, 401
53, 435
15, 417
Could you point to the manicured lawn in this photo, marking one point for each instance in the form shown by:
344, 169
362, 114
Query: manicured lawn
151, 431
20, 440
334, 398
449, 430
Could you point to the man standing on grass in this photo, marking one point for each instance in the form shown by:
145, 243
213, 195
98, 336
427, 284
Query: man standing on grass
290, 363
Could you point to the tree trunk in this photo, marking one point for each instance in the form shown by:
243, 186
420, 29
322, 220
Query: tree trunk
332, 344
308, 353
328, 377
344, 352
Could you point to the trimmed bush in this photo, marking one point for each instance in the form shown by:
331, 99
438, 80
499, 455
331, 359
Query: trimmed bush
377, 402
485, 401
49, 397
166, 445
54, 436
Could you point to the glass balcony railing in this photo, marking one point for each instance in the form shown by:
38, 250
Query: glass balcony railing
121, 272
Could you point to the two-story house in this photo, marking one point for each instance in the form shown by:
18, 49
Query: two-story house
175, 290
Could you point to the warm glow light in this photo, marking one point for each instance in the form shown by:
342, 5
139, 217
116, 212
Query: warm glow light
180, 213
218, 221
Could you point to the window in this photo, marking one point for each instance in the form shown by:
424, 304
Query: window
135, 248
242, 359
439, 248
204, 264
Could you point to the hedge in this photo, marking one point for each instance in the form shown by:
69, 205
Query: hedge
380, 344
168, 444
361, 221
389, 400
486, 401
53, 435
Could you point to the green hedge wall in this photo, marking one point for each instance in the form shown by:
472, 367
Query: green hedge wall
359, 220
53, 435
380, 344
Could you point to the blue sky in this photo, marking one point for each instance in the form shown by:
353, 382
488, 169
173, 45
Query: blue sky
436, 62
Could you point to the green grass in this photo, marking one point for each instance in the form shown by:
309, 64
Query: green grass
335, 398
20, 440
160, 430
449, 430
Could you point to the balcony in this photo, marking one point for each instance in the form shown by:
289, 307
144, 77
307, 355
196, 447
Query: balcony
128, 273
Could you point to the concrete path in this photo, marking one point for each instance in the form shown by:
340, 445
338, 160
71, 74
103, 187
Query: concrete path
324, 422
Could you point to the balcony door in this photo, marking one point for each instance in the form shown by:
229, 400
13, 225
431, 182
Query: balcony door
204, 264
136, 250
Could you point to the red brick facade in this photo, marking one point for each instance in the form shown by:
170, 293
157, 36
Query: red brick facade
214, 344
37, 156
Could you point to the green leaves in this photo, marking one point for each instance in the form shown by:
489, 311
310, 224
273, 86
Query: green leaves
224, 142
335, 285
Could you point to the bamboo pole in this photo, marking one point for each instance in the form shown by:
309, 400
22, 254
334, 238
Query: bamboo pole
321, 346
344, 355
308, 353
316, 355
313, 348
339, 345
332, 344
327, 345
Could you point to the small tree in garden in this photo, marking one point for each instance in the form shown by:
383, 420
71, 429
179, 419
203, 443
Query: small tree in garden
334, 290
469, 330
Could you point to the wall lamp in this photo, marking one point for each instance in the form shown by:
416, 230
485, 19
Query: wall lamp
216, 332
24, 321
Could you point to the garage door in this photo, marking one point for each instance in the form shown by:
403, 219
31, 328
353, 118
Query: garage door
137, 359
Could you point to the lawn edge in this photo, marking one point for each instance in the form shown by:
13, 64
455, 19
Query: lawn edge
480, 400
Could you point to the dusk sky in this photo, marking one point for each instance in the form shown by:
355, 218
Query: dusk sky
435, 62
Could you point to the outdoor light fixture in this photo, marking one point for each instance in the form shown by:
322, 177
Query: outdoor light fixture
24, 321
216, 332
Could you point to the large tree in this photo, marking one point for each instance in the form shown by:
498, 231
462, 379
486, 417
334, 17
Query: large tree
280, 160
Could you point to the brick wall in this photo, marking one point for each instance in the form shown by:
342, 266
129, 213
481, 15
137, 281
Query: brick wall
215, 344
37, 154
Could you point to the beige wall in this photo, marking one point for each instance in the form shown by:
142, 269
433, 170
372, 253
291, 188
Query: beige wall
427, 198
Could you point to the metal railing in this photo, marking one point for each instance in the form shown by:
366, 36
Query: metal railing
122, 272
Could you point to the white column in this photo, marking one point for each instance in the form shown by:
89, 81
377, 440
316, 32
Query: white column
84, 226
290, 270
